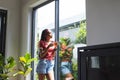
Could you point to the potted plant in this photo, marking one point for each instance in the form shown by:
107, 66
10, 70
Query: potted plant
66, 48
7, 67
25, 62
66, 51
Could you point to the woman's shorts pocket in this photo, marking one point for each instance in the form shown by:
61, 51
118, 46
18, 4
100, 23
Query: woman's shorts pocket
41, 67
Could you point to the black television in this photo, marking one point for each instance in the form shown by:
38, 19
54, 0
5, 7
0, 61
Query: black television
99, 62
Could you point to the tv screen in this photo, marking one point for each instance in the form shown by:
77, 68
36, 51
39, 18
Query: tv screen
103, 67
99, 62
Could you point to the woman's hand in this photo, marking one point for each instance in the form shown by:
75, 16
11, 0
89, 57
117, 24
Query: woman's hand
50, 45
55, 44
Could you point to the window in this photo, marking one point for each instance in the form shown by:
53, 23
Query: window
72, 29
44, 16
3, 19
66, 19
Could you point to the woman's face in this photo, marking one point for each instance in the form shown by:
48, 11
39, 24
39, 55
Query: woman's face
49, 36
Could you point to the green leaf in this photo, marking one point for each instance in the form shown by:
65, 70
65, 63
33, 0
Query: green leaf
4, 76
6, 68
25, 62
27, 56
32, 59
19, 72
28, 71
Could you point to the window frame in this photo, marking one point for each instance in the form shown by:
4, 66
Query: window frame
3, 26
56, 36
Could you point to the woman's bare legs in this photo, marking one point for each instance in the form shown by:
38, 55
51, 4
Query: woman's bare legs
69, 76
41, 76
50, 75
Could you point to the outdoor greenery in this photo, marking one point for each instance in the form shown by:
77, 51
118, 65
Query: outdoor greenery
81, 34
66, 53
66, 48
75, 70
66, 43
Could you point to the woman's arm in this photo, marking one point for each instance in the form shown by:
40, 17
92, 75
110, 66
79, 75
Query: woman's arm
55, 44
44, 51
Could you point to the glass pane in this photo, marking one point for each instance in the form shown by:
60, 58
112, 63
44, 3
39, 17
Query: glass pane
44, 19
103, 68
72, 34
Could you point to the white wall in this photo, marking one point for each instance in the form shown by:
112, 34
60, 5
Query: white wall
27, 7
25, 39
103, 21
13, 27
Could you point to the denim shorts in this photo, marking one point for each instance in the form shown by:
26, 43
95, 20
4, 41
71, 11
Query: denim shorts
45, 66
66, 67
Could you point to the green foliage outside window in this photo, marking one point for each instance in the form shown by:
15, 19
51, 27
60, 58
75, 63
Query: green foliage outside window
81, 34
66, 52
66, 48
80, 38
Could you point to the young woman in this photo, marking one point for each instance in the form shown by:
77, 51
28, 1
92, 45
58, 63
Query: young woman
47, 50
